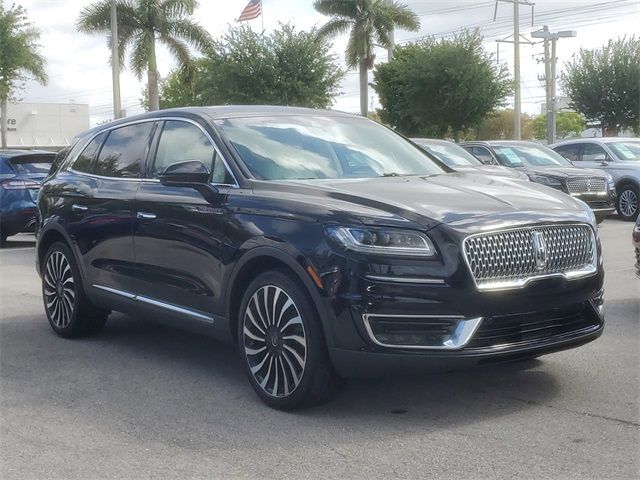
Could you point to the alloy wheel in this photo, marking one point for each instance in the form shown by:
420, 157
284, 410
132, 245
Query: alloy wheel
59, 289
628, 203
275, 342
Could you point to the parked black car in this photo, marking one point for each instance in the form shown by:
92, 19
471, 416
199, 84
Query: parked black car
458, 159
544, 166
324, 244
21, 172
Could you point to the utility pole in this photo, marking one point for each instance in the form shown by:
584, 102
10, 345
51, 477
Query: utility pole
115, 62
517, 133
550, 63
517, 100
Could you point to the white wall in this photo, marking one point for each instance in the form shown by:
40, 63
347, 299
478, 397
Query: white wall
45, 124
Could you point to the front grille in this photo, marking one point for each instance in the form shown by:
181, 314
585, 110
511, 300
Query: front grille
509, 330
587, 185
513, 257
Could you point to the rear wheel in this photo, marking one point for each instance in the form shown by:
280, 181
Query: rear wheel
69, 311
628, 201
282, 344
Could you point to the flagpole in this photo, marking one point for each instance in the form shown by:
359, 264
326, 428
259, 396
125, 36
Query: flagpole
262, 16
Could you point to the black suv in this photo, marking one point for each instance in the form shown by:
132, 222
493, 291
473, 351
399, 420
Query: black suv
543, 165
324, 244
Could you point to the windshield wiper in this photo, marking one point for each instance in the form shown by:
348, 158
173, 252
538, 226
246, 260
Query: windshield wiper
391, 174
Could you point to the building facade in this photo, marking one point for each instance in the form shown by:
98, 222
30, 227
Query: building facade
45, 125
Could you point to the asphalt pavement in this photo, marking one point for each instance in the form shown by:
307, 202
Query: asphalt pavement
143, 400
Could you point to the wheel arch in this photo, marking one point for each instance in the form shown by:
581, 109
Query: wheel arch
257, 261
50, 234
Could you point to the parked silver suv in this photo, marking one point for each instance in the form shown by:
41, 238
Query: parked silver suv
620, 157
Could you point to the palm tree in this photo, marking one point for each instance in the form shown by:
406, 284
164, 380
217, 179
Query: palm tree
367, 22
19, 58
143, 23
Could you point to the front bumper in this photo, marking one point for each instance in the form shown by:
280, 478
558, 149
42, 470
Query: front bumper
546, 315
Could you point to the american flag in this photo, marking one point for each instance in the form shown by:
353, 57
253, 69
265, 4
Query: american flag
251, 11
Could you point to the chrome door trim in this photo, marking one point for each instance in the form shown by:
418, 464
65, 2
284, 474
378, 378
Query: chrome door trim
156, 303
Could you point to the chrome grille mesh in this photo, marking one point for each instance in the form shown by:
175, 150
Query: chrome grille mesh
510, 258
587, 185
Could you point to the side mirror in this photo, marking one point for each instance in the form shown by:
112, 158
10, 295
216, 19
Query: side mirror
603, 158
486, 160
191, 174
185, 174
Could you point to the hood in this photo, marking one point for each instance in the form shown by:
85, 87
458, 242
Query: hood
494, 170
562, 172
448, 198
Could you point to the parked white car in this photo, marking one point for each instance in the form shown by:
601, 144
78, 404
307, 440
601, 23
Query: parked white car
619, 157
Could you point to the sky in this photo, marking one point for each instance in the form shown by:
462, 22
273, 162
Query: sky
79, 71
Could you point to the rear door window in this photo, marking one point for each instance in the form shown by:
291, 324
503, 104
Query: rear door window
124, 152
570, 152
593, 153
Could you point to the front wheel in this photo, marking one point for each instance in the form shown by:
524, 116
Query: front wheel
628, 202
282, 344
69, 311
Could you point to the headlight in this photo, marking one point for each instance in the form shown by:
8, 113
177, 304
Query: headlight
383, 241
610, 181
548, 181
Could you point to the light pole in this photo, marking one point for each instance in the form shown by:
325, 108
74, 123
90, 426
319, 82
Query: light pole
115, 62
550, 74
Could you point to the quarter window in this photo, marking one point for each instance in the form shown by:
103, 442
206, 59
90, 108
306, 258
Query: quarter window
84, 161
124, 151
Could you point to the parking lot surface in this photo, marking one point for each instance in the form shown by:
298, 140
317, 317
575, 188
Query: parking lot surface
143, 400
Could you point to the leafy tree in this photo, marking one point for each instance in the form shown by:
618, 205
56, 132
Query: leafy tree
499, 126
367, 22
568, 124
432, 87
19, 57
144, 23
604, 84
288, 67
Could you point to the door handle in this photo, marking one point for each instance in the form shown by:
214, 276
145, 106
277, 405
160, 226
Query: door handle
79, 208
146, 216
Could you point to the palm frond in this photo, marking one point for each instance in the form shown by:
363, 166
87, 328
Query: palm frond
339, 8
334, 27
96, 18
178, 8
142, 51
399, 14
189, 32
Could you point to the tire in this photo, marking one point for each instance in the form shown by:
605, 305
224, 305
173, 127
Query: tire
628, 203
69, 311
3, 240
278, 326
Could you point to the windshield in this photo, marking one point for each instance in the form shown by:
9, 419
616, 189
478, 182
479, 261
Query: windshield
451, 154
530, 156
626, 150
323, 147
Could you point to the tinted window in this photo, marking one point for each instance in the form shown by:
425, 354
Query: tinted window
182, 142
315, 147
33, 164
570, 152
84, 161
124, 151
450, 154
626, 150
481, 153
593, 153
532, 155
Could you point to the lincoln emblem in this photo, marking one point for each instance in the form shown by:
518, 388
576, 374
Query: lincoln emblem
539, 250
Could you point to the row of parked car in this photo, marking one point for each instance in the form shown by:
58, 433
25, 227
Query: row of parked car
604, 172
